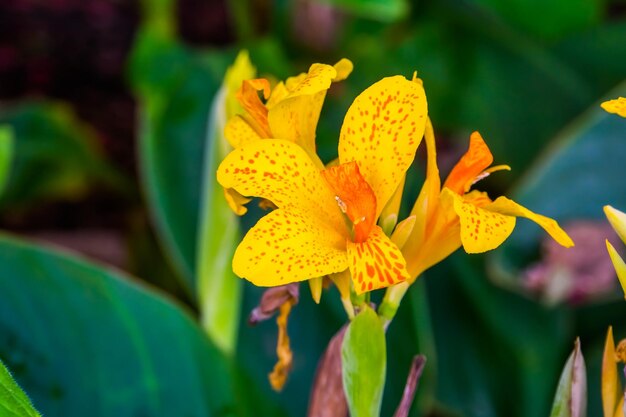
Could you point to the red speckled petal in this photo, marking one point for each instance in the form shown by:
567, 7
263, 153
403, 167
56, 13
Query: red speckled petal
382, 131
481, 230
375, 263
505, 206
282, 172
289, 246
354, 196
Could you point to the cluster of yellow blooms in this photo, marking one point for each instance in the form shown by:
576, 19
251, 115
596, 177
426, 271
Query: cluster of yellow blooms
339, 220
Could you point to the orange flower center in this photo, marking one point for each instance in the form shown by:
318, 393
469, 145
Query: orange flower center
354, 196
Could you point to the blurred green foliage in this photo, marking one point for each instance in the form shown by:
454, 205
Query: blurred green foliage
82, 339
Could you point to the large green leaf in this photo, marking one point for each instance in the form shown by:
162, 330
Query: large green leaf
499, 354
581, 172
83, 340
364, 364
54, 155
176, 89
13, 401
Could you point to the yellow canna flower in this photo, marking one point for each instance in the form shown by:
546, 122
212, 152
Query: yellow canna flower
291, 112
450, 216
325, 221
612, 394
616, 106
618, 222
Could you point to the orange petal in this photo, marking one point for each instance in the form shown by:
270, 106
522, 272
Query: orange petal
249, 98
287, 246
354, 197
611, 385
376, 263
477, 158
381, 132
282, 172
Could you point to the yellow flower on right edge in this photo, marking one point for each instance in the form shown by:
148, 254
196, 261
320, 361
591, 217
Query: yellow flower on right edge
612, 393
617, 106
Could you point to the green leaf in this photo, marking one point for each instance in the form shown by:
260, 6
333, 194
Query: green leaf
382, 10
570, 399
219, 289
83, 340
363, 357
515, 345
6, 154
54, 156
176, 89
546, 19
13, 401
585, 159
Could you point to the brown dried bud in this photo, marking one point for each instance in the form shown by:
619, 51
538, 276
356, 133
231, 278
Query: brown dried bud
327, 397
271, 301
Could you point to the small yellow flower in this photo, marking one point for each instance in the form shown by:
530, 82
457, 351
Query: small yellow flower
618, 222
616, 106
325, 221
291, 112
450, 216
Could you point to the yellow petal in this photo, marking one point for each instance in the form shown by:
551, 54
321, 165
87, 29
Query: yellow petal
619, 410
508, 207
342, 282
617, 106
316, 285
619, 264
393, 207
481, 230
611, 385
287, 246
236, 201
238, 132
294, 117
428, 199
617, 220
375, 263
477, 158
282, 172
402, 231
381, 132
319, 78
344, 68
279, 92
279, 374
